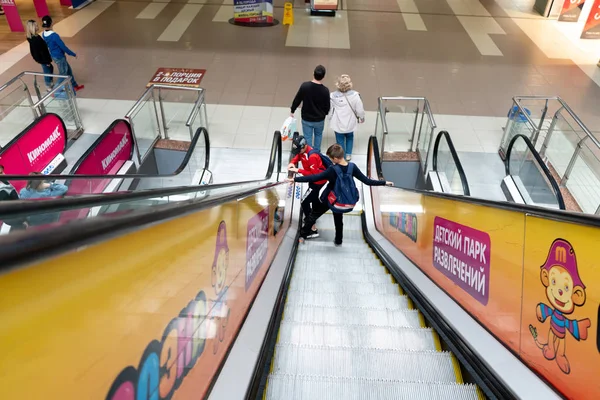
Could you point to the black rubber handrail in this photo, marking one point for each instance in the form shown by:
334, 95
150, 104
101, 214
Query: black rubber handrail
15, 209
541, 164
461, 172
560, 215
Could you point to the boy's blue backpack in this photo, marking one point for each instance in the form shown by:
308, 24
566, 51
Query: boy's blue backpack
326, 161
344, 195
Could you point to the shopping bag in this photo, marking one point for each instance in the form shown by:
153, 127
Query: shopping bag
288, 128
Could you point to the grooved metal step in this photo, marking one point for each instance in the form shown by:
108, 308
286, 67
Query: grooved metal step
292, 387
305, 285
320, 245
337, 254
352, 316
422, 366
303, 259
374, 268
368, 337
328, 276
376, 301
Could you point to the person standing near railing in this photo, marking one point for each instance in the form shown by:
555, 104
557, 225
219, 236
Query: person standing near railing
314, 97
58, 51
347, 111
40, 53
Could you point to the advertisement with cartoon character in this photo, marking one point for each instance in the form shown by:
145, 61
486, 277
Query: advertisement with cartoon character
565, 291
220, 312
559, 329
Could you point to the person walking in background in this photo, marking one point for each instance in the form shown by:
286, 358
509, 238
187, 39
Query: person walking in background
39, 51
314, 97
58, 51
347, 111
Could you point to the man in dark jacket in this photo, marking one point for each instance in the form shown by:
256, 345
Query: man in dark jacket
314, 97
39, 51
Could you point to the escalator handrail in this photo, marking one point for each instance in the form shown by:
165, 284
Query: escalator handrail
378, 168
562, 215
540, 162
28, 246
15, 209
461, 171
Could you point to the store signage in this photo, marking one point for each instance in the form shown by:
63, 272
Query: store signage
571, 10
253, 11
177, 77
591, 29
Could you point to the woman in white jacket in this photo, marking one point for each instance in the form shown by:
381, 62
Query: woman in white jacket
347, 111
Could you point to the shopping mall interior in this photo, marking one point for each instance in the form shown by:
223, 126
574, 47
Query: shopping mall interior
174, 255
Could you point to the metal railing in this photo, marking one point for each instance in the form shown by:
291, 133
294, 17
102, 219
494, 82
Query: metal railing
152, 117
18, 109
412, 126
569, 148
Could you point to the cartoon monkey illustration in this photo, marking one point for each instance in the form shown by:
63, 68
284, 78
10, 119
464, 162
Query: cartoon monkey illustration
220, 311
565, 291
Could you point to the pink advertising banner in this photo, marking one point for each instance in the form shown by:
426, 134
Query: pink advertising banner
12, 15
34, 148
41, 8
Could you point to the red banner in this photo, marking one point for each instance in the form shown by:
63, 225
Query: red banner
178, 77
571, 10
36, 148
591, 30
12, 15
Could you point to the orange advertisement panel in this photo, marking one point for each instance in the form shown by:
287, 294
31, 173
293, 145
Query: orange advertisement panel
559, 332
148, 315
472, 252
591, 29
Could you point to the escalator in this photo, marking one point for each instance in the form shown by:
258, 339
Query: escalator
212, 297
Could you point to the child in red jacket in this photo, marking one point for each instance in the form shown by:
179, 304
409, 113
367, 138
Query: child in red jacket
312, 164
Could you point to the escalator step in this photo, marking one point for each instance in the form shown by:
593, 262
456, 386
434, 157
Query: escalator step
375, 301
334, 254
415, 366
292, 387
321, 244
329, 276
367, 337
305, 285
352, 316
303, 260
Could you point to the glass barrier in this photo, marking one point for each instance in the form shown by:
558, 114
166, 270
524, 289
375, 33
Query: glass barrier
447, 164
584, 180
528, 174
172, 284
41, 219
405, 124
143, 118
22, 101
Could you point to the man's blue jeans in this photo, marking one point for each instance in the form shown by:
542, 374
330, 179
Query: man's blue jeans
48, 69
65, 69
310, 129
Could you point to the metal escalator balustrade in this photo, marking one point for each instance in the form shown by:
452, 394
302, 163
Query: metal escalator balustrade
530, 176
446, 164
348, 331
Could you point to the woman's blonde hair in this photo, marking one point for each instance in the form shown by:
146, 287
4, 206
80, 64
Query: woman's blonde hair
344, 83
32, 29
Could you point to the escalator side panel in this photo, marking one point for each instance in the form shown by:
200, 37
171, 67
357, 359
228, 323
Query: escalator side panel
153, 311
496, 263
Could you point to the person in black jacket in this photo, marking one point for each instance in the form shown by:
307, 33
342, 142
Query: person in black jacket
314, 97
8, 192
39, 52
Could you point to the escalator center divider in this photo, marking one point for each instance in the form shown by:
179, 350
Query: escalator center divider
483, 375
258, 384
